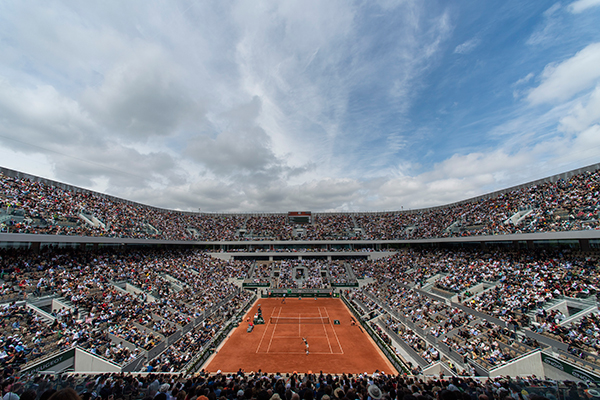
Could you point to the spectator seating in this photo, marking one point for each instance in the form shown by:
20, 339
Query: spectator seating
36, 206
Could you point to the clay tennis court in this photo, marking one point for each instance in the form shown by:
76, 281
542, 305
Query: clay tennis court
278, 345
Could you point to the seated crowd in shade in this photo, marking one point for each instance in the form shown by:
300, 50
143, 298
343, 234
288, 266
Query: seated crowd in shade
289, 386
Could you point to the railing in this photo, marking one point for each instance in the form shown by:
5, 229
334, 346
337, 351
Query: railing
174, 337
479, 369
41, 312
135, 365
418, 330
384, 347
481, 315
546, 340
407, 348
580, 362
444, 293
196, 362
451, 353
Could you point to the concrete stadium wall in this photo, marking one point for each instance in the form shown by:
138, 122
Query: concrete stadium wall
437, 369
58, 305
529, 364
557, 374
88, 362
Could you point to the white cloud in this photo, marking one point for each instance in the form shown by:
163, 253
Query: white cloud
467, 47
582, 115
525, 79
417, 59
142, 96
282, 56
563, 80
587, 144
548, 30
578, 6
41, 121
266, 105
463, 176
40, 116
454, 179
519, 92
233, 152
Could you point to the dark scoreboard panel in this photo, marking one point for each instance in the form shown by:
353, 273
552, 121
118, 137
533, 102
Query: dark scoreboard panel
300, 220
300, 217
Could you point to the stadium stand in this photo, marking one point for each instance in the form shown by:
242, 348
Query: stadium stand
258, 385
433, 284
33, 205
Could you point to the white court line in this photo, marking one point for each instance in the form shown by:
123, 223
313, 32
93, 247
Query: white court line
296, 337
268, 323
311, 353
326, 334
273, 333
332, 327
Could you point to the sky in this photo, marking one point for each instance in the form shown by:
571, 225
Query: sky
276, 106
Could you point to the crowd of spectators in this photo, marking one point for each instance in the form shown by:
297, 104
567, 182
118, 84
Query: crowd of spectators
316, 274
175, 288
433, 317
291, 386
518, 281
329, 247
583, 334
287, 275
172, 288
315, 279
338, 274
37, 207
517, 284
25, 335
330, 227
481, 343
428, 352
273, 227
304, 274
179, 355
166, 296
262, 273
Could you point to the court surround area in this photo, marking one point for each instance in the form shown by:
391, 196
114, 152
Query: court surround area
291, 328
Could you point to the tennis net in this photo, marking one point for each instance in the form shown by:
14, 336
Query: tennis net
299, 320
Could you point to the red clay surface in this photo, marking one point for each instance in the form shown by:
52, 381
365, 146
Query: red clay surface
279, 347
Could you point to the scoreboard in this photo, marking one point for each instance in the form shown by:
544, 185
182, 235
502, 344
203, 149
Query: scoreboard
300, 217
